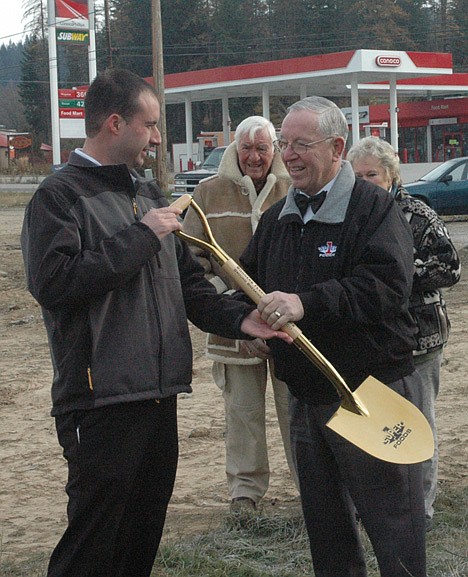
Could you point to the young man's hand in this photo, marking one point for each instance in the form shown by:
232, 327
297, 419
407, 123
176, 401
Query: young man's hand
163, 221
254, 326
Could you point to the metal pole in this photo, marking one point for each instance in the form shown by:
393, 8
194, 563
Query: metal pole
54, 103
354, 110
108, 33
393, 114
226, 120
189, 131
266, 101
158, 79
92, 67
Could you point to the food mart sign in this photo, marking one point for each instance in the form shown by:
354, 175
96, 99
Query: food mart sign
72, 112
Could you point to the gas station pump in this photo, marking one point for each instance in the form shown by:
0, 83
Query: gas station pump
206, 144
376, 130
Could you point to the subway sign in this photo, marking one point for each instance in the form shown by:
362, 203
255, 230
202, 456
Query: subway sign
72, 37
388, 61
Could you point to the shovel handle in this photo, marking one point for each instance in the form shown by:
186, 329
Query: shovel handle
349, 401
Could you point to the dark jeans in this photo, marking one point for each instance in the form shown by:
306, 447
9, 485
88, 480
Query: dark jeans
336, 476
122, 462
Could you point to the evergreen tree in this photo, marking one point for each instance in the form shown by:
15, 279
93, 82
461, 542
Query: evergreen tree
35, 16
381, 23
34, 89
130, 28
11, 112
187, 39
10, 61
460, 18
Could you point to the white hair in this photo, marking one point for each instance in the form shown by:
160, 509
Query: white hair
331, 121
382, 151
253, 124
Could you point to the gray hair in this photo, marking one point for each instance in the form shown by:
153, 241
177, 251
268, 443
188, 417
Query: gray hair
253, 124
382, 151
331, 121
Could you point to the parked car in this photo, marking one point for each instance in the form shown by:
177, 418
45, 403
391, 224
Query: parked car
185, 182
445, 188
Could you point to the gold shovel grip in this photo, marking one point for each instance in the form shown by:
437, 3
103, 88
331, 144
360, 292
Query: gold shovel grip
182, 202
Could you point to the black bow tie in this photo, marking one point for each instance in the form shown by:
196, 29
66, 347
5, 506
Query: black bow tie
304, 201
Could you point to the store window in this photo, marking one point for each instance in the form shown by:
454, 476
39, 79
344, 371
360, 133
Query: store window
413, 144
449, 141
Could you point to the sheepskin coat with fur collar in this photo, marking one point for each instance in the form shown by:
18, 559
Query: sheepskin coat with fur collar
233, 208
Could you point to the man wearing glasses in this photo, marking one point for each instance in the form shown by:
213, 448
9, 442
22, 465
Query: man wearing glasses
336, 257
251, 178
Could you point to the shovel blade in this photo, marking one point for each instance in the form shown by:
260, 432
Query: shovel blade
394, 430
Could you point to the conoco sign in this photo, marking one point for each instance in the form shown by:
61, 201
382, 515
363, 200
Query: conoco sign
389, 61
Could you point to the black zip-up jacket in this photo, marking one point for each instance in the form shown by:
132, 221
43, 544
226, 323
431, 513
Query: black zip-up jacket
115, 299
352, 267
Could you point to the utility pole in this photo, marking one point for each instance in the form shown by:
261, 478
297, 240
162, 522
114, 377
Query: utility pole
108, 33
158, 79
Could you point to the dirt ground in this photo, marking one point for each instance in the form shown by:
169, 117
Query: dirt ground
33, 472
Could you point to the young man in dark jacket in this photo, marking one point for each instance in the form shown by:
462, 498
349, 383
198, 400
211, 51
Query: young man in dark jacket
116, 290
335, 256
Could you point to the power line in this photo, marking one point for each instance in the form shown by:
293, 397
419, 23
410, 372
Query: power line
31, 28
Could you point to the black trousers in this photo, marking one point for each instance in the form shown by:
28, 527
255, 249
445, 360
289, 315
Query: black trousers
335, 478
122, 463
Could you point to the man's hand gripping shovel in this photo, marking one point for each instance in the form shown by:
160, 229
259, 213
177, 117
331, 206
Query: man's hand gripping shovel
373, 417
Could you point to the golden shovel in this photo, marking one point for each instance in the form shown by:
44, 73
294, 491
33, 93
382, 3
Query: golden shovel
373, 417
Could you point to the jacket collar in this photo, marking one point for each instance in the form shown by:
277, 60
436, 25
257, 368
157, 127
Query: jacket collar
119, 174
333, 209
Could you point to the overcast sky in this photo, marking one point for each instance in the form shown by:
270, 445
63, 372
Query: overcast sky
11, 27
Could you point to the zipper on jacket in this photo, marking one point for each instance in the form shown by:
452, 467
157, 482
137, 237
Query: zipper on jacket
135, 207
301, 259
158, 322
135, 212
90, 379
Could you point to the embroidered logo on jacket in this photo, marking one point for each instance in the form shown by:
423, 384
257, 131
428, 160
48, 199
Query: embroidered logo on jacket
327, 250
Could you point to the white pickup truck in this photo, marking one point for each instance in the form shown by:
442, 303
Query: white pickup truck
185, 182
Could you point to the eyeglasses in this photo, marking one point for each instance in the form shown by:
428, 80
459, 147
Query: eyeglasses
299, 148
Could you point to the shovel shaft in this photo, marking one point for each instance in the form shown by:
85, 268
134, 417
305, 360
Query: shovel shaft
349, 401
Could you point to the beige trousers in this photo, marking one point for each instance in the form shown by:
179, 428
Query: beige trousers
244, 389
